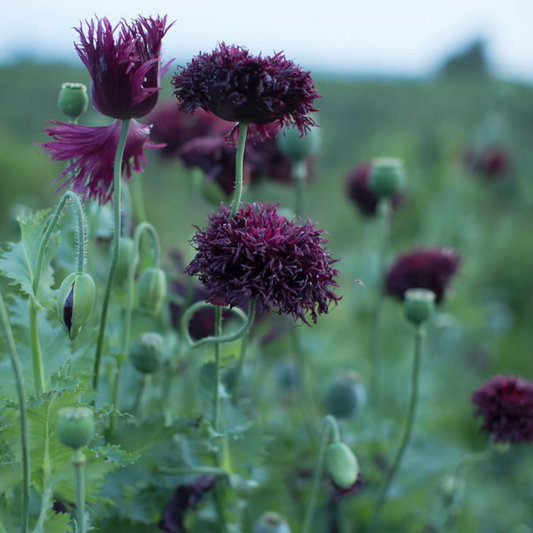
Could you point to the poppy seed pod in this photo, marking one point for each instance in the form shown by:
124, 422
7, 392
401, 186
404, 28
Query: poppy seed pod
296, 147
342, 465
418, 305
345, 396
270, 522
125, 252
146, 352
387, 177
152, 290
75, 426
73, 100
75, 301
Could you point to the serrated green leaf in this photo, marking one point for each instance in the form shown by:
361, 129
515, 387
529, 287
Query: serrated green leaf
56, 523
244, 450
19, 262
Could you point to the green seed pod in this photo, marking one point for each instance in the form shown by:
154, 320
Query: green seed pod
296, 147
152, 290
345, 396
418, 305
75, 301
270, 522
125, 257
342, 465
387, 177
73, 100
146, 353
75, 426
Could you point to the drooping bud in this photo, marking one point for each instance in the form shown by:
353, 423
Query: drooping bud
152, 290
146, 353
75, 426
342, 465
125, 257
387, 177
418, 305
75, 301
73, 100
345, 396
298, 148
270, 522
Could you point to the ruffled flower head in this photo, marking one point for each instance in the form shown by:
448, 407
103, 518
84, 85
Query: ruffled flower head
93, 151
124, 64
361, 195
260, 253
239, 87
505, 404
425, 268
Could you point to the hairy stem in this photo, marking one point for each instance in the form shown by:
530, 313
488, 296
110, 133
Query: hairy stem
239, 168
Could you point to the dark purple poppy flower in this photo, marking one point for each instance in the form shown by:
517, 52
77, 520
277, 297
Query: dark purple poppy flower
239, 87
175, 128
490, 162
185, 498
59, 507
339, 493
260, 253
505, 404
361, 195
216, 158
425, 268
125, 69
93, 151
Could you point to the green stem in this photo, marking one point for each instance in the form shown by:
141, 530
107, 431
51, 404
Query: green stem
237, 387
218, 333
117, 180
11, 348
239, 168
329, 427
139, 393
115, 395
419, 334
78, 460
37, 359
299, 175
187, 316
139, 211
126, 211
384, 209
193, 470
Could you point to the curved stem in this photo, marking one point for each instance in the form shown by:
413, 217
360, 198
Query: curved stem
329, 427
78, 460
419, 334
11, 348
239, 168
117, 177
187, 316
36, 355
374, 348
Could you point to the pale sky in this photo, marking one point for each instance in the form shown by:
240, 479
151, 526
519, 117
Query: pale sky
408, 37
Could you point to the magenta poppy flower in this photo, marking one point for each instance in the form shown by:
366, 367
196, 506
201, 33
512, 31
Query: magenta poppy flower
93, 151
505, 405
240, 87
124, 64
425, 268
260, 253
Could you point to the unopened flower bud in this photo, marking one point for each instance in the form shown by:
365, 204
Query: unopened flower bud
125, 257
418, 305
298, 148
342, 465
73, 100
75, 301
345, 396
152, 290
387, 177
75, 426
146, 352
270, 522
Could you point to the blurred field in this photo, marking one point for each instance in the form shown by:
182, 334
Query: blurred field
485, 327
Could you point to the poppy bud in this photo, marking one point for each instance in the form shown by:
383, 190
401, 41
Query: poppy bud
146, 352
270, 522
73, 100
342, 465
418, 305
75, 426
345, 396
152, 290
125, 256
296, 147
75, 301
387, 177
